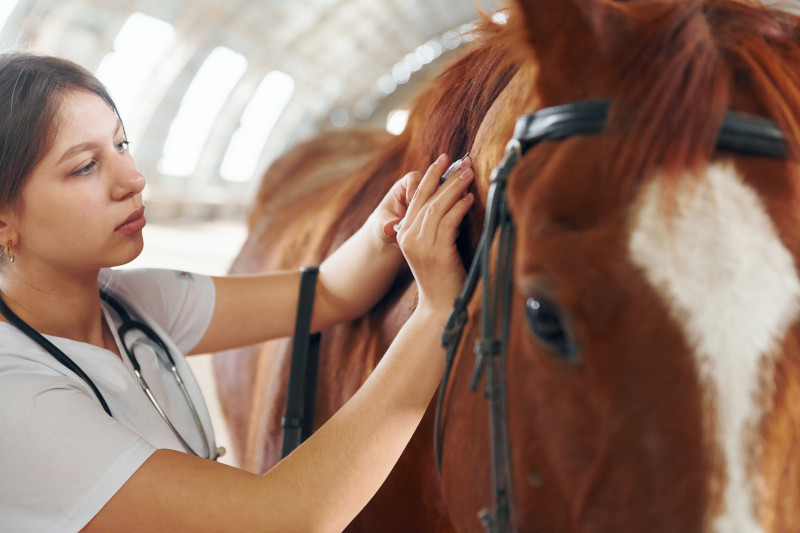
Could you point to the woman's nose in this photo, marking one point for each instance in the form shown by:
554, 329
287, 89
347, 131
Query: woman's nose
128, 180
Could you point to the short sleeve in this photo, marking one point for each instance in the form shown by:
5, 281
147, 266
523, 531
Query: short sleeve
61, 456
181, 303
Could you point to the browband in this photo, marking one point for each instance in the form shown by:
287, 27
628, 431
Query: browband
740, 132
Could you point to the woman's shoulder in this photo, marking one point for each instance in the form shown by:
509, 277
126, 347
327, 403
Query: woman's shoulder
143, 279
154, 289
179, 302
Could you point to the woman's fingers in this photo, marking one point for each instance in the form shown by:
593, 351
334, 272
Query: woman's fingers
442, 203
429, 230
433, 181
413, 179
426, 188
448, 227
394, 206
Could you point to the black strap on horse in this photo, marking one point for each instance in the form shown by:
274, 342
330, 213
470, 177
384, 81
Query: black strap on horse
740, 133
298, 420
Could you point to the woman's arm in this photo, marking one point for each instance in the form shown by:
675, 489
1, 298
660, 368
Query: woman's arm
253, 308
321, 486
328, 479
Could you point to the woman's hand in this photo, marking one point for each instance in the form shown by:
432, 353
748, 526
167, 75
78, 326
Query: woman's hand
430, 226
393, 207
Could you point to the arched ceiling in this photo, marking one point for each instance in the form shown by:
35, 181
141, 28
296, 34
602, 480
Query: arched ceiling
341, 54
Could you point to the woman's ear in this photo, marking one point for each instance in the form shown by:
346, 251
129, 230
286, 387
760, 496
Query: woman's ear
7, 227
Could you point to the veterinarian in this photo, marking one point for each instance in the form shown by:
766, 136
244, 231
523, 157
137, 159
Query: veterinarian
102, 426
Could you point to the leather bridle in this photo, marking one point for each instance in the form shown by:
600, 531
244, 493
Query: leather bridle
740, 133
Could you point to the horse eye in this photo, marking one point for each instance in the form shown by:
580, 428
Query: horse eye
545, 322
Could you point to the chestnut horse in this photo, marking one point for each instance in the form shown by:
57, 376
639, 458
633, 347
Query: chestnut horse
653, 351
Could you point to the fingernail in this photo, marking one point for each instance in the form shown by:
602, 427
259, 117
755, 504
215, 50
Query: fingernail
466, 174
441, 159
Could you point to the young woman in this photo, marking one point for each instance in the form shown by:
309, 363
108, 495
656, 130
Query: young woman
71, 208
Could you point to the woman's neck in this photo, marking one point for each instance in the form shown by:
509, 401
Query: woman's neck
60, 304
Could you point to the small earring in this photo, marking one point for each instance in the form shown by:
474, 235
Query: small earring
10, 251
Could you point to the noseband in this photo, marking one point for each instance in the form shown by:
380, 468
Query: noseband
740, 133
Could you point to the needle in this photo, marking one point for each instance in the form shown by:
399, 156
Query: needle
454, 166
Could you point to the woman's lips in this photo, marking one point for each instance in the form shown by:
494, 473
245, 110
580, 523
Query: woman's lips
133, 223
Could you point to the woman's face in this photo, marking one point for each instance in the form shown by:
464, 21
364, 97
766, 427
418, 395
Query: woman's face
82, 204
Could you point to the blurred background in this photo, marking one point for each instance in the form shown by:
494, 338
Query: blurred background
212, 92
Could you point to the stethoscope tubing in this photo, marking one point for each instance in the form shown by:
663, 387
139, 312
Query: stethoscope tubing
128, 324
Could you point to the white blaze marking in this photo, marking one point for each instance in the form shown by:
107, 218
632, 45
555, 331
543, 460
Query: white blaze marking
731, 285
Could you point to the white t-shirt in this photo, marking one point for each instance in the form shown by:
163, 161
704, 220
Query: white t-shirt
61, 456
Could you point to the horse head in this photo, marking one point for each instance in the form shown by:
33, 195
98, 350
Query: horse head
652, 357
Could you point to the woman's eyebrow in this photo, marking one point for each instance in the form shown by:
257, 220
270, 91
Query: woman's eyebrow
84, 145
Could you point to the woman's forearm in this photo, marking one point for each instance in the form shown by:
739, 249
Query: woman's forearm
354, 277
254, 308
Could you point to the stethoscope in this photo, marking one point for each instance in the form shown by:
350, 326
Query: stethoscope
152, 339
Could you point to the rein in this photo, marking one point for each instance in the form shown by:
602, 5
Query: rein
740, 133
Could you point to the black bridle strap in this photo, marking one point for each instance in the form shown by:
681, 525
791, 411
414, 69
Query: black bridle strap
739, 133
561, 122
750, 135
298, 418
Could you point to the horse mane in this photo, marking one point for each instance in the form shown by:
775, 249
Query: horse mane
444, 118
447, 115
690, 62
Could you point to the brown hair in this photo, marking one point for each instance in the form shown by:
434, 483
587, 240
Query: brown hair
31, 89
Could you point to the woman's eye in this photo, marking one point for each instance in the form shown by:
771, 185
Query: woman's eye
123, 146
545, 322
84, 171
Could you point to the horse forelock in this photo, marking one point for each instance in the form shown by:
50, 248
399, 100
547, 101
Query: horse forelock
685, 65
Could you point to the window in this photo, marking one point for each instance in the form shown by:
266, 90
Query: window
140, 44
258, 119
199, 109
6, 7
